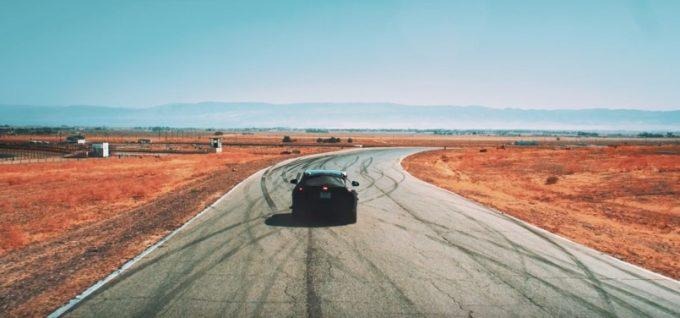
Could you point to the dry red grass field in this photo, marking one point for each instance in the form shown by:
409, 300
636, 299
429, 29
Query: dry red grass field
622, 200
39, 201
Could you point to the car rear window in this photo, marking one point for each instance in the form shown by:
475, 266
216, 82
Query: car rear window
330, 181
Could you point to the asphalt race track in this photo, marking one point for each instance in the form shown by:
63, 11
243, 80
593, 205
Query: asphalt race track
416, 250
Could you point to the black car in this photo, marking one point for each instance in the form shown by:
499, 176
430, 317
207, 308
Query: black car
325, 193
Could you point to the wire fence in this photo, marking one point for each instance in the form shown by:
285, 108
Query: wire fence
18, 156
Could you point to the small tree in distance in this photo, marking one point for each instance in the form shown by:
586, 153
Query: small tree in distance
349, 140
287, 139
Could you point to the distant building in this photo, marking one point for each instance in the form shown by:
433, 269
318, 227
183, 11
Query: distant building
5, 130
76, 139
216, 143
100, 150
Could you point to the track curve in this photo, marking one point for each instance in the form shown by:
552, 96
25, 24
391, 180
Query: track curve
416, 250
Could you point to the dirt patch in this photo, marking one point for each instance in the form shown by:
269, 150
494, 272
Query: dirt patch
43, 265
624, 200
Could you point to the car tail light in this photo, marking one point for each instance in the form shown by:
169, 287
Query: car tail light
300, 189
324, 188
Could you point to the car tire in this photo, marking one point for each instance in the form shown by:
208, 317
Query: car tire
351, 217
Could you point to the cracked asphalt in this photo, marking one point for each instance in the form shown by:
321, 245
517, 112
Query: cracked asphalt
416, 250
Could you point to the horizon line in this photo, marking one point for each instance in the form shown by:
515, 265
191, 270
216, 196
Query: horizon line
612, 108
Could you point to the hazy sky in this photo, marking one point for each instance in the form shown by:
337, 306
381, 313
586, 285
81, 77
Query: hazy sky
529, 54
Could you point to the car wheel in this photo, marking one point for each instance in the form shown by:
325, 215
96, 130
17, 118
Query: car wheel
351, 217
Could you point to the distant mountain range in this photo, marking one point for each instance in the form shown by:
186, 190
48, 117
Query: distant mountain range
340, 115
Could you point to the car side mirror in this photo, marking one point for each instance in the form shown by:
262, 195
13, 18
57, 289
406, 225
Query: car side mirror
293, 181
355, 184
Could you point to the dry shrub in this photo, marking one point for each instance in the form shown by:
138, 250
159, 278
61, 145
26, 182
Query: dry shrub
482, 150
15, 180
551, 180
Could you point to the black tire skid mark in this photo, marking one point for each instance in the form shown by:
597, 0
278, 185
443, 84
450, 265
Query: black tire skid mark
252, 203
219, 215
376, 272
393, 187
291, 166
529, 254
558, 289
363, 172
440, 230
539, 258
598, 288
482, 259
344, 158
246, 285
597, 284
488, 270
265, 191
248, 231
422, 269
171, 289
351, 163
322, 163
413, 231
141, 267
649, 281
518, 250
251, 208
313, 302
666, 288
187, 248
279, 268
437, 228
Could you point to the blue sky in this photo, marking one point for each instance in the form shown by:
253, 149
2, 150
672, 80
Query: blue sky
525, 54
